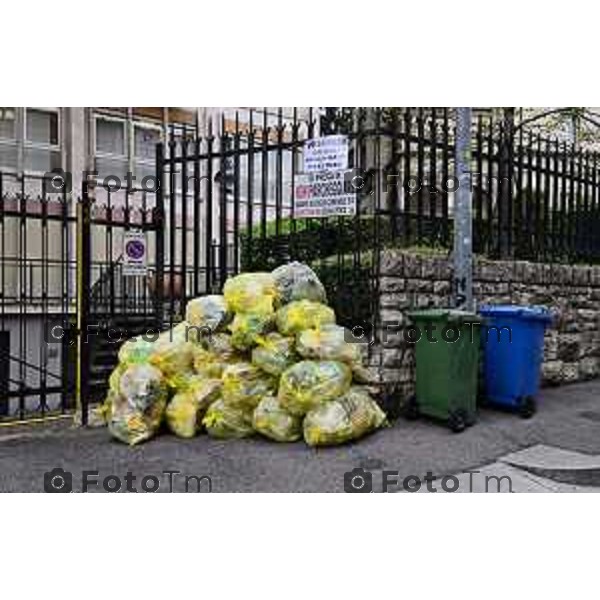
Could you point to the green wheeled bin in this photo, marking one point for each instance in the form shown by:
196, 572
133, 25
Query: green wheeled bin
447, 345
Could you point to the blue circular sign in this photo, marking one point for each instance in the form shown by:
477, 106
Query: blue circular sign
135, 249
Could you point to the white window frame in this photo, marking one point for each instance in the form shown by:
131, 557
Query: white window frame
145, 125
111, 119
41, 145
99, 154
12, 140
12, 143
28, 144
21, 143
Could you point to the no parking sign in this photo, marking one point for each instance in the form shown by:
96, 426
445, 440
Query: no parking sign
135, 253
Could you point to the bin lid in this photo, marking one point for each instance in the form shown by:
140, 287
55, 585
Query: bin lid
444, 314
511, 310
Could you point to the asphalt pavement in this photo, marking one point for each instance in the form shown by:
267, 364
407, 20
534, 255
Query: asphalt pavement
567, 423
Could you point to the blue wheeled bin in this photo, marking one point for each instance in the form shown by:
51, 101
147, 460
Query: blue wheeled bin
513, 350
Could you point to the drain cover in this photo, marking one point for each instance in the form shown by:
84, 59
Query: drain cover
590, 415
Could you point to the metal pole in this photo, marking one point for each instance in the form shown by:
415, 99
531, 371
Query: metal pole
83, 296
463, 210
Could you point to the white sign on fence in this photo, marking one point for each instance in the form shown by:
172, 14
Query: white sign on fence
135, 253
327, 153
324, 194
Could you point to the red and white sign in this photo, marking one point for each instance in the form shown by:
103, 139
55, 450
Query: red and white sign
324, 194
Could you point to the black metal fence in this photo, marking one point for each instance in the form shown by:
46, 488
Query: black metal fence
37, 286
228, 203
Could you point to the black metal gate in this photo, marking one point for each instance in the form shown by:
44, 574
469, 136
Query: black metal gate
115, 304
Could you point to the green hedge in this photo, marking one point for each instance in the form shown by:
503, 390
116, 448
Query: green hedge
310, 240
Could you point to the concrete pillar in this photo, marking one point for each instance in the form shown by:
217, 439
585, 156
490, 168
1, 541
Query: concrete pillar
75, 136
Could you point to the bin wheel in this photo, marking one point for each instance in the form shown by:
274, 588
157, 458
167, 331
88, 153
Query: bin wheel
527, 407
410, 410
457, 421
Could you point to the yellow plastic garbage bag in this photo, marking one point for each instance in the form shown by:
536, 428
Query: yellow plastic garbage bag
213, 356
207, 312
303, 314
173, 351
244, 386
223, 421
297, 281
186, 409
330, 343
309, 383
251, 293
99, 416
274, 354
115, 377
347, 418
137, 410
179, 381
272, 421
248, 328
135, 350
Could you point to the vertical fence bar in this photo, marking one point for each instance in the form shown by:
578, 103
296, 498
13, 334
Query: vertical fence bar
529, 199
355, 156
508, 187
208, 213
158, 219
295, 155
172, 225
563, 201
555, 205
572, 204
264, 183
391, 208
45, 257
433, 187
279, 173
501, 200
144, 221
250, 194
518, 216
490, 246
197, 214
546, 232
585, 216
223, 234
236, 195
539, 191
22, 258
445, 176
376, 209
420, 170
184, 225
83, 295
478, 199
408, 199
577, 205
69, 375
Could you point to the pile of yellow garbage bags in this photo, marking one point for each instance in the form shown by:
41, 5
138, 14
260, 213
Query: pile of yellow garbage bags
265, 358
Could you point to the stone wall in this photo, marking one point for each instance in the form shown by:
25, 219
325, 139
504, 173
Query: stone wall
572, 345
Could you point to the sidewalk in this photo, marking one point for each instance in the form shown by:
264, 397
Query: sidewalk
568, 419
